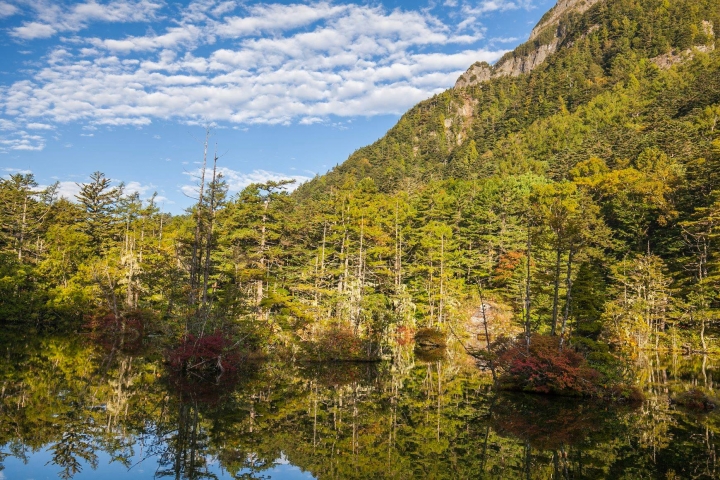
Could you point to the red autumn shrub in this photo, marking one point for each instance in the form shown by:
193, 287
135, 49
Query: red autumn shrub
213, 352
340, 343
545, 368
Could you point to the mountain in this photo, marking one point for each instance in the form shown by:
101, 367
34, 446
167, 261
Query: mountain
545, 39
581, 53
577, 180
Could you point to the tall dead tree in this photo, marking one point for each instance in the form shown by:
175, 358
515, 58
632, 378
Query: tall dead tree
195, 258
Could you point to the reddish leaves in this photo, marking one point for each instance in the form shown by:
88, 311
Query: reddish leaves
404, 335
209, 353
507, 265
545, 368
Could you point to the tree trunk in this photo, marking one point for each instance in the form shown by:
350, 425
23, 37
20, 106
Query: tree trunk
441, 303
209, 239
259, 283
196, 248
568, 297
556, 292
23, 225
487, 334
527, 290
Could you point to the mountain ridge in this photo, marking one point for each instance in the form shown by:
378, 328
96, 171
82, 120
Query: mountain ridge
544, 40
600, 49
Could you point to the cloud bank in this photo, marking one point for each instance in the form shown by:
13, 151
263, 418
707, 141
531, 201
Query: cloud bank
220, 61
51, 17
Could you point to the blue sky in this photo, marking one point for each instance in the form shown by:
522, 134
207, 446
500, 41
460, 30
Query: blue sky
290, 88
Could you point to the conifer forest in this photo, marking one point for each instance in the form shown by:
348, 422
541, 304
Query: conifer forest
521, 279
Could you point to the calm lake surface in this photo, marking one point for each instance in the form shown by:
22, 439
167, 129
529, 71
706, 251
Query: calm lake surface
70, 408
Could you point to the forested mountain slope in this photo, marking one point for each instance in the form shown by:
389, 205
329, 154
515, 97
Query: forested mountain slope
610, 109
601, 94
579, 192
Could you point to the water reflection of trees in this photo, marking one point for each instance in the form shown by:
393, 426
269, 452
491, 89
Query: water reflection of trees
401, 419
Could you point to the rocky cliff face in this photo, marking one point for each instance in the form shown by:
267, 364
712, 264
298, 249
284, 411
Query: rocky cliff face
479, 72
545, 37
518, 65
669, 59
553, 16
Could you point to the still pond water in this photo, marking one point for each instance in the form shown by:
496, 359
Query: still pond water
72, 409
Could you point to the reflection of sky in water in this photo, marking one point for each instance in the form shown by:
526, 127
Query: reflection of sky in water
39, 467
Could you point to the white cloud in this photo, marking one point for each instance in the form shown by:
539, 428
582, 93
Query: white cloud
51, 18
138, 122
7, 10
472, 12
33, 30
175, 36
40, 126
277, 17
68, 190
486, 6
20, 140
224, 7
310, 120
236, 181
137, 187
161, 200
273, 64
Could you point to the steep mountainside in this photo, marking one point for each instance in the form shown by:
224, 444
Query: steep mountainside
577, 180
545, 39
581, 54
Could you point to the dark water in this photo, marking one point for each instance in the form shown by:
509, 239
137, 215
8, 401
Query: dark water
73, 409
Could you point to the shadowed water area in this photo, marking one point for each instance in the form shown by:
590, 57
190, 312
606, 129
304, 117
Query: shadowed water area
70, 408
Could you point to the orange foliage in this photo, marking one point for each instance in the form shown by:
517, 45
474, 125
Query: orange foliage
507, 264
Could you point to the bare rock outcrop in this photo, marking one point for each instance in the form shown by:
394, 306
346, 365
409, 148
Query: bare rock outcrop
518, 65
514, 65
479, 72
667, 60
499, 319
555, 14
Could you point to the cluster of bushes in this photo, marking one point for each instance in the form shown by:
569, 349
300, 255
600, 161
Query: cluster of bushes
213, 353
547, 366
338, 342
694, 399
